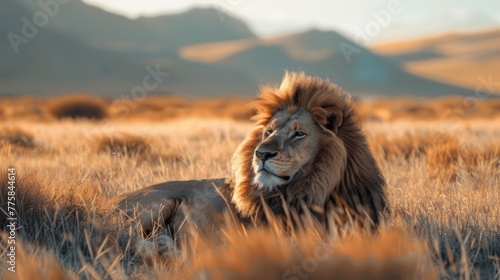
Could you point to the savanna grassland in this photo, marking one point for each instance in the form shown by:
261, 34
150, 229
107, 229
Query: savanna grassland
73, 156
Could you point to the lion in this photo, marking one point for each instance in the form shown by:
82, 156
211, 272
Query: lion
306, 153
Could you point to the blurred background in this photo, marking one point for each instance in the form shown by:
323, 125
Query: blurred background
210, 48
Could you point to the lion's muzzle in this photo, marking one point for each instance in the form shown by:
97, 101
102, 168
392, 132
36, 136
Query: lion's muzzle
268, 167
265, 155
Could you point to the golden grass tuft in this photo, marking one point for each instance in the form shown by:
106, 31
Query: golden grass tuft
133, 146
456, 109
442, 158
443, 153
173, 107
123, 144
16, 137
265, 253
78, 107
70, 218
39, 265
490, 154
408, 146
37, 194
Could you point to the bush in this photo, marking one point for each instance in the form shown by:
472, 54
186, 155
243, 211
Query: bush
79, 107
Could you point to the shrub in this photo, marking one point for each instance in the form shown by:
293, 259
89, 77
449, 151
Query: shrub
79, 107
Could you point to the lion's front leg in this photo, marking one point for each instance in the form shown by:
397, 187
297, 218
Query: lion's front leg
151, 212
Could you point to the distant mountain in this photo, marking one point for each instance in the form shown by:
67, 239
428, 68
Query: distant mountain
322, 54
197, 26
86, 49
55, 63
114, 32
467, 60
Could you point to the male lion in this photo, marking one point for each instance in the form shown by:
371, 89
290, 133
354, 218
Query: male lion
306, 152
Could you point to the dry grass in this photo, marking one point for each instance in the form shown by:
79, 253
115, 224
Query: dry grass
272, 254
443, 188
442, 159
63, 216
408, 146
161, 108
133, 146
443, 153
40, 265
445, 109
490, 154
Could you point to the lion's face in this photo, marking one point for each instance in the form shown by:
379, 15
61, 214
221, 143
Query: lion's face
289, 145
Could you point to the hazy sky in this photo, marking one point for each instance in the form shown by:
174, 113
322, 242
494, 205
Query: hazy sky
408, 19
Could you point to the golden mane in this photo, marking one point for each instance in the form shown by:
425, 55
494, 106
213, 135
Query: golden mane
359, 186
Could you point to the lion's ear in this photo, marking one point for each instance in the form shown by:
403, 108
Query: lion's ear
329, 118
334, 121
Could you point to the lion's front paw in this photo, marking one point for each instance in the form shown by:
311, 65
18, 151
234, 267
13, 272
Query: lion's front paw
162, 245
166, 245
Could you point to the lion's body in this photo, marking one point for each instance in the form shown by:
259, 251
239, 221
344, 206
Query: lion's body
173, 205
306, 150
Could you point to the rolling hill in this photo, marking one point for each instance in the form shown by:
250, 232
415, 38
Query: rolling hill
319, 53
85, 49
163, 33
463, 59
55, 63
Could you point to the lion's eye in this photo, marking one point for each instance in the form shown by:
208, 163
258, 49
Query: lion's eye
299, 135
269, 132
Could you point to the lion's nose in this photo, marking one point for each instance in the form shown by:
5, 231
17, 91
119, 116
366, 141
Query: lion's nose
265, 155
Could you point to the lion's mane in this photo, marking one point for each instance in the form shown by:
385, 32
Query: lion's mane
355, 183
